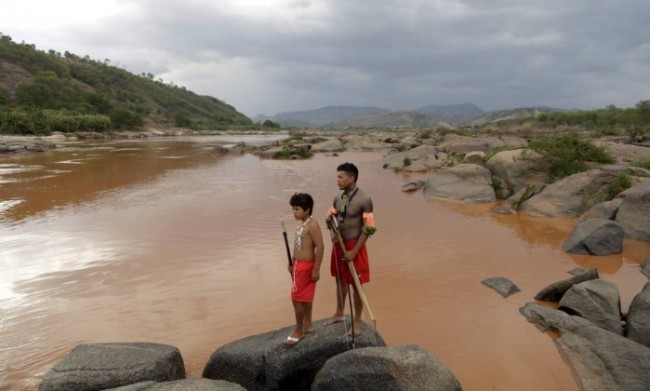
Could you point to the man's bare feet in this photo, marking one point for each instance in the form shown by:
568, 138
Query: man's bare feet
357, 333
333, 320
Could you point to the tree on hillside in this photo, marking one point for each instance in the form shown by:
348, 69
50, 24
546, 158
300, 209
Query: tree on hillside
3, 97
643, 110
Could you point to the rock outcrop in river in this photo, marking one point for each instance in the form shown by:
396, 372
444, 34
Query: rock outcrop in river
322, 360
604, 352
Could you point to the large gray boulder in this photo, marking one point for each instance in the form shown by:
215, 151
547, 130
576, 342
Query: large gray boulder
25, 145
638, 317
418, 154
576, 193
461, 145
512, 165
366, 142
596, 300
99, 366
603, 210
595, 237
469, 183
262, 362
329, 145
399, 368
556, 290
634, 213
183, 385
600, 359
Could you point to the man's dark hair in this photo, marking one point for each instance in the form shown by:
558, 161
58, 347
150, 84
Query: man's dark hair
302, 200
350, 169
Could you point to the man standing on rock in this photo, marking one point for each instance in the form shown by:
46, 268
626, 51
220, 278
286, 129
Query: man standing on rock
353, 211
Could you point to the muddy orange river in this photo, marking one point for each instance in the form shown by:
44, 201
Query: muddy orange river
164, 241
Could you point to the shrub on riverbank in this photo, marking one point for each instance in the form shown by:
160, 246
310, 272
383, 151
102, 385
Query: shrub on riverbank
44, 122
567, 154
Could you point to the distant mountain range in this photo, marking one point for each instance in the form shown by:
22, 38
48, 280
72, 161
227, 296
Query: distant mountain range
345, 117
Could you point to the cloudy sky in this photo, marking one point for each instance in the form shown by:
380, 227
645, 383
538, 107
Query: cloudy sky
270, 56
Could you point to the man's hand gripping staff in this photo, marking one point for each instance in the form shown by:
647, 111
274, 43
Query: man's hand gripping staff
334, 229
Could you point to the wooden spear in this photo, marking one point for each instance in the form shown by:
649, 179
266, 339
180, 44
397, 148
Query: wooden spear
286, 243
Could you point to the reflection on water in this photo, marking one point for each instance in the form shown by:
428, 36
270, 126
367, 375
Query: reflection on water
163, 241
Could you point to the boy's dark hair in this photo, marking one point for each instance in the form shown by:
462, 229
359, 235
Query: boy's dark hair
350, 169
302, 200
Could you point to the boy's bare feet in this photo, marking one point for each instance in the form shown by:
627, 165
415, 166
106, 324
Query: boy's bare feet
290, 341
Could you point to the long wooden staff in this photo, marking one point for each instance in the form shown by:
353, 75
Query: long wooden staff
286, 243
364, 300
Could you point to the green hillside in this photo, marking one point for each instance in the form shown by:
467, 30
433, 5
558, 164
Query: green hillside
44, 92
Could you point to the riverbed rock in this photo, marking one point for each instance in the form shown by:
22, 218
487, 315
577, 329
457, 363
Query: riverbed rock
468, 183
556, 290
25, 145
595, 237
396, 160
182, 385
596, 300
364, 143
475, 157
329, 145
455, 144
638, 317
413, 186
501, 285
512, 167
504, 209
577, 270
623, 152
600, 359
99, 366
603, 210
523, 194
397, 368
262, 362
645, 267
576, 193
634, 213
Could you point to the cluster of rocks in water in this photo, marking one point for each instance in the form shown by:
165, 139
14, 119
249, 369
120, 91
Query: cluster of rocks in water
323, 360
500, 169
606, 349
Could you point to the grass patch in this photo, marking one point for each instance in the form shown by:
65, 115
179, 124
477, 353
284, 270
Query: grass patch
619, 184
567, 154
642, 161
407, 161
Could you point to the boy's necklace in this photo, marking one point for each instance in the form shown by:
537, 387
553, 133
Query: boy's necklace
299, 230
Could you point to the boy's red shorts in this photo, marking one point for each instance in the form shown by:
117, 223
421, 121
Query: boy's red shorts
360, 263
303, 288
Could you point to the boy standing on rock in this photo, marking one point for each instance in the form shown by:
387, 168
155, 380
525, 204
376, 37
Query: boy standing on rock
305, 272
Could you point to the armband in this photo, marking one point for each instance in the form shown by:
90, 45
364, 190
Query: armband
368, 224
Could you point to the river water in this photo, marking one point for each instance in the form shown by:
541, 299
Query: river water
164, 241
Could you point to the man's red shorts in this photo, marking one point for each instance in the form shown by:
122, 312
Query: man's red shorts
303, 288
360, 263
